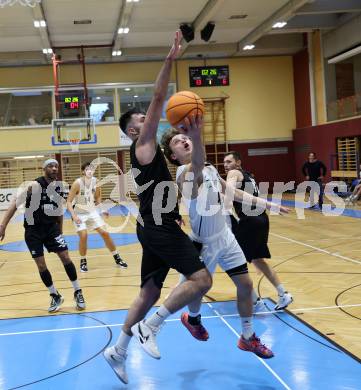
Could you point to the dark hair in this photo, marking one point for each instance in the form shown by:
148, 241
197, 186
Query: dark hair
235, 155
126, 118
85, 165
165, 141
312, 153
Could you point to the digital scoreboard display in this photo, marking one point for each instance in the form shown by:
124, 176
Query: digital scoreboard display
71, 102
208, 76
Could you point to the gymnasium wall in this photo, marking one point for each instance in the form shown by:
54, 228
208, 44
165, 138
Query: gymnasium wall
260, 107
321, 140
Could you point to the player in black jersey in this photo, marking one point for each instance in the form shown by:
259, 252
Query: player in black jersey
43, 225
164, 243
251, 231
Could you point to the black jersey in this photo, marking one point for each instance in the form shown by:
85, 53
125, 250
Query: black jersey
249, 185
147, 177
44, 206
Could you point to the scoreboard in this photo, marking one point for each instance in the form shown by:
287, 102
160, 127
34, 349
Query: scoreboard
208, 76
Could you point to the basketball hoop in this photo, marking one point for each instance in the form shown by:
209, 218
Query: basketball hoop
25, 3
74, 144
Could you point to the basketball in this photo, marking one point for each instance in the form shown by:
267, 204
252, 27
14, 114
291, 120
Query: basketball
182, 105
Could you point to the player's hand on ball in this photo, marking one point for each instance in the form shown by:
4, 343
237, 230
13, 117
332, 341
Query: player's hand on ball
192, 126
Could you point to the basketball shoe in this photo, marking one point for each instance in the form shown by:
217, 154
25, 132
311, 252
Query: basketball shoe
198, 331
55, 303
253, 344
284, 301
116, 362
146, 337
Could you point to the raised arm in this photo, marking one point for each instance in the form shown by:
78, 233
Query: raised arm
193, 171
147, 141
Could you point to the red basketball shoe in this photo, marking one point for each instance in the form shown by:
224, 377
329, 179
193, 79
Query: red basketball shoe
253, 344
198, 331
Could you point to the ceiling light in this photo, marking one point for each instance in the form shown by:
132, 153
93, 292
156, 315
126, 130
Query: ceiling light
98, 98
39, 23
126, 89
116, 53
249, 47
123, 30
135, 96
279, 25
47, 51
26, 157
132, 1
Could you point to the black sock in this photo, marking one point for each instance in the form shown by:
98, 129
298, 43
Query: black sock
71, 271
194, 320
46, 277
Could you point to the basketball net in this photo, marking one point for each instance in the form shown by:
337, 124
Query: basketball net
74, 144
25, 3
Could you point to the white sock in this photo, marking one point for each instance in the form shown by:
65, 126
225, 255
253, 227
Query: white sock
194, 314
52, 289
280, 290
255, 296
247, 327
156, 320
115, 253
122, 343
75, 284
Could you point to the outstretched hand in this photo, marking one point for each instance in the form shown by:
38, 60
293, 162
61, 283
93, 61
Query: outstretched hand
192, 126
174, 51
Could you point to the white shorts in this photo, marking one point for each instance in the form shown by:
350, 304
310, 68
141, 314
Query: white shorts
89, 221
222, 249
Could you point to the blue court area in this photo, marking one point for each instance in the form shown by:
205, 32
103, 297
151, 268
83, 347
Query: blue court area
94, 241
65, 352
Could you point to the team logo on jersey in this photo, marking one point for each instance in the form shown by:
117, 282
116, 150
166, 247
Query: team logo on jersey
60, 240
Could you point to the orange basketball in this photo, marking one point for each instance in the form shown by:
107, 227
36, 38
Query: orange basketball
182, 105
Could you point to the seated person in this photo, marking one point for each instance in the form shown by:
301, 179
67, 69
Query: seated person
13, 121
353, 198
31, 120
46, 118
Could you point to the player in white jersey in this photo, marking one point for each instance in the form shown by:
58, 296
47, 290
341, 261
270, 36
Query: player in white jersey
84, 196
202, 189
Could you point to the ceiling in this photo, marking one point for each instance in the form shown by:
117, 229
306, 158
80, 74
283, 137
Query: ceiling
152, 23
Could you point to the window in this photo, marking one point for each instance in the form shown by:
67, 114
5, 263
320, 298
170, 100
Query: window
25, 108
139, 97
343, 88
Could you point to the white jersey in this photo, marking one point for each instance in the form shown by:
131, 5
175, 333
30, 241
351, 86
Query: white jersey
84, 202
206, 212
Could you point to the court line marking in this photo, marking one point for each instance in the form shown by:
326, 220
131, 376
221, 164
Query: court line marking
317, 249
169, 320
261, 360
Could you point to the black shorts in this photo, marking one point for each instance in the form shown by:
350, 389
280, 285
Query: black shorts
252, 236
36, 237
166, 246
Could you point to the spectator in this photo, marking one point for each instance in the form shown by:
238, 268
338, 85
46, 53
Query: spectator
2, 120
315, 170
46, 118
31, 120
13, 121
